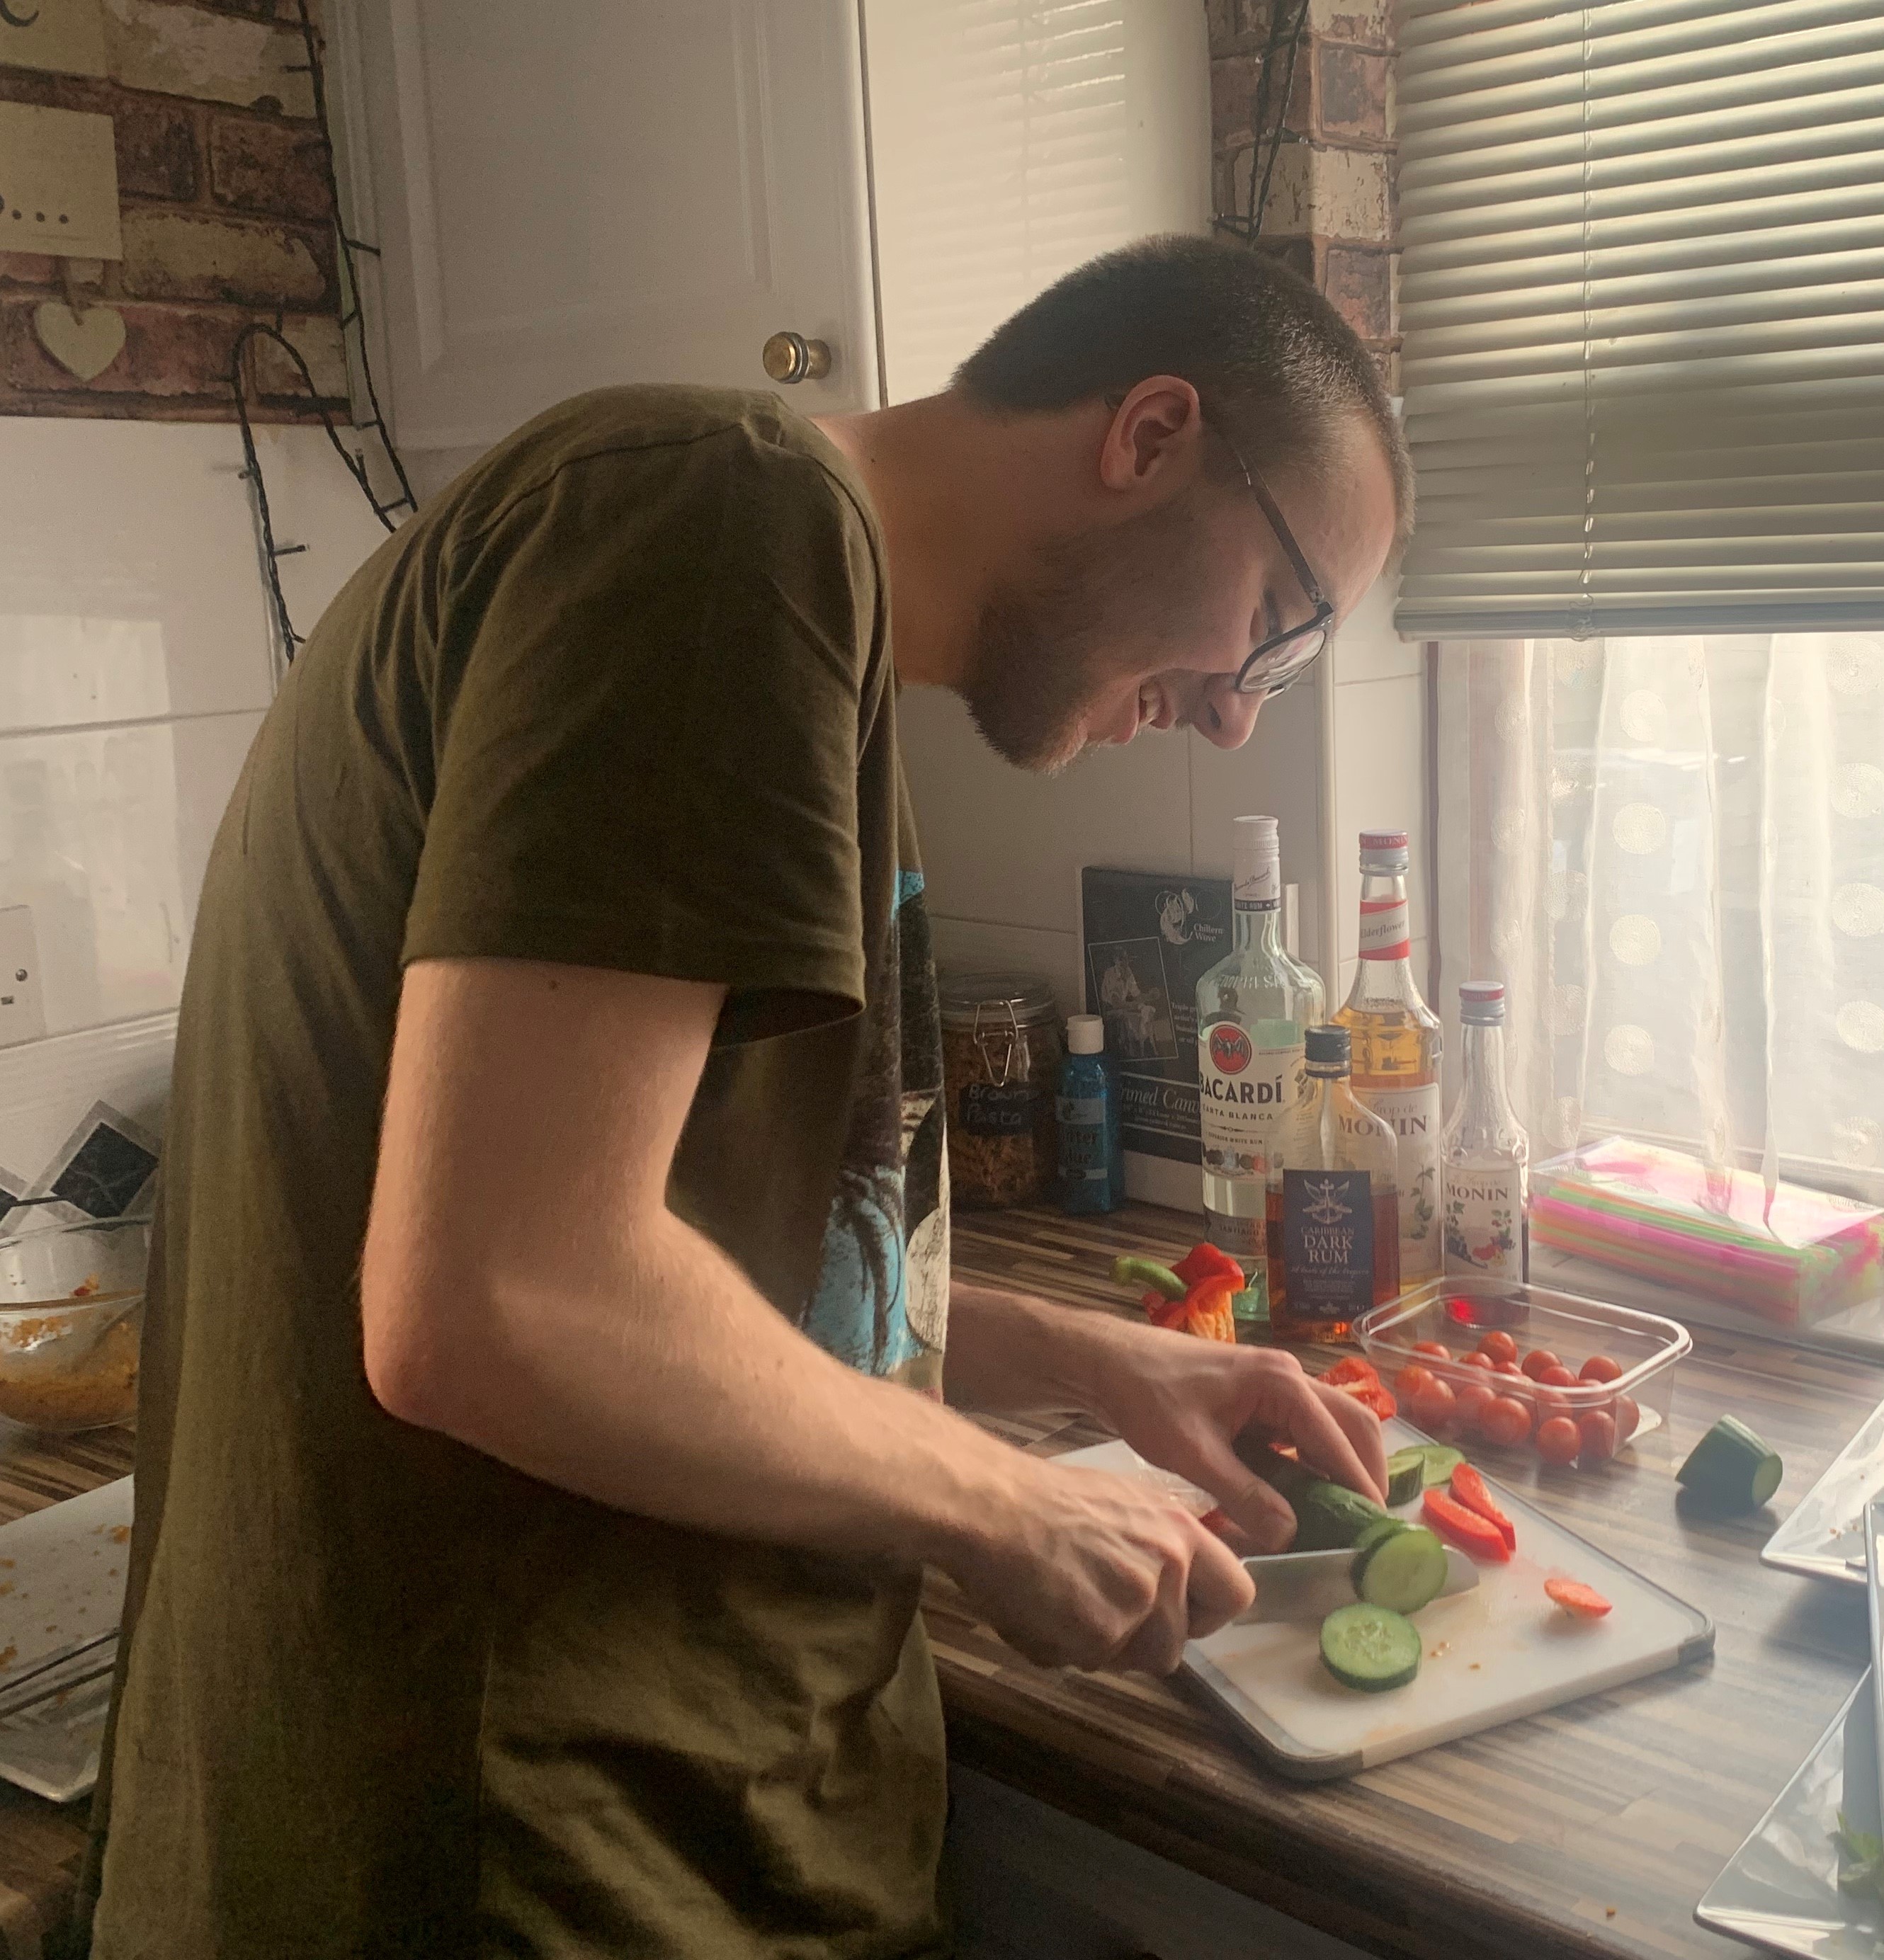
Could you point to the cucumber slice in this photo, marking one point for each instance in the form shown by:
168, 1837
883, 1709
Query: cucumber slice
1437, 1461
1372, 1535
1371, 1648
1404, 1572
1406, 1475
1731, 1468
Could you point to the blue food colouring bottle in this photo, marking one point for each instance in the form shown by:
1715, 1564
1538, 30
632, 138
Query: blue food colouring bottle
1091, 1150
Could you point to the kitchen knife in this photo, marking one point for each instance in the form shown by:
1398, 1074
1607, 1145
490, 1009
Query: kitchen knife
1873, 1522
1310, 1585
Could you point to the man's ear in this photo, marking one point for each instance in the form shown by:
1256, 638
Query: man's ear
1155, 430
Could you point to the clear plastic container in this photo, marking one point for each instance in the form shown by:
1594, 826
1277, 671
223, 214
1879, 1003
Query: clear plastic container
1458, 1313
72, 1310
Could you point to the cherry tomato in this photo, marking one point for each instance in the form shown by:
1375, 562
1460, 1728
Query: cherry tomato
1434, 1347
1434, 1406
1628, 1417
1597, 1432
1498, 1346
1557, 1440
1534, 1362
1413, 1381
1477, 1360
1559, 1377
1473, 1399
1506, 1421
1510, 1368
1600, 1368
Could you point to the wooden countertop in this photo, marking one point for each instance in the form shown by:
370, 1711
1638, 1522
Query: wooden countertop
1516, 1842
1592, 1830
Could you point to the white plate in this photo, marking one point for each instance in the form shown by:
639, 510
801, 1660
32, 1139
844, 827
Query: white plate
1824, 1535
1780, 1889
61, 1580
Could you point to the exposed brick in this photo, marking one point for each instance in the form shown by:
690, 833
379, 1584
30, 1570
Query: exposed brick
1350, 93
1299, 254
157, 148
320, 344
279, 169
177, 50
1360, 283
252, 10
169, 351
174, 255
1339, 193
1234, 81
28, 268
1368, 21
1237, 26
57, 91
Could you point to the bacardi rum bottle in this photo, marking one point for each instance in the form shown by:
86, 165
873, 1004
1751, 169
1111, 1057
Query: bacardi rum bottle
1397, 1046
1333, 1205
1253, 1008
1486, 1154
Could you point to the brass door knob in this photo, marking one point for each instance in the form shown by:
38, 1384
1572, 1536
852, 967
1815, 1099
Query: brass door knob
790, 357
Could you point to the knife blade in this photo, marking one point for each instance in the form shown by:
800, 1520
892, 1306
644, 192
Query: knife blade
1310, 1585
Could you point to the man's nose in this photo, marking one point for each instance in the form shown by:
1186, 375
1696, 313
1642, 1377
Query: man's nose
1225, 717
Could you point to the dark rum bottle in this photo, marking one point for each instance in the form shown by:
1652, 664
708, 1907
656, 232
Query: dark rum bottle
1334, 1206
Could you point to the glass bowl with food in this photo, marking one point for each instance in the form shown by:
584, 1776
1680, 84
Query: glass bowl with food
71, 1311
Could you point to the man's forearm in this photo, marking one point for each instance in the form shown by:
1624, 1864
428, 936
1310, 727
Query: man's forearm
1012, 1354
692, 1400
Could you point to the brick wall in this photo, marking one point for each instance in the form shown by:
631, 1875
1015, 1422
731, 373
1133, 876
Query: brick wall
224, 204
1331, 207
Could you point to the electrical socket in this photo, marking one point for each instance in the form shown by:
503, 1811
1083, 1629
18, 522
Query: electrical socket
22, 1008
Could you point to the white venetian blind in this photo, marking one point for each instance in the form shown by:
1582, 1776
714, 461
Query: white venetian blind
1011, 140
1643, 300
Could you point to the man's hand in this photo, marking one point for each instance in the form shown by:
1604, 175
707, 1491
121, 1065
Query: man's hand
1181, 1403
1079, 1569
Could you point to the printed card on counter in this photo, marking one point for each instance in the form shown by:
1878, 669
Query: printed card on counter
1149, 938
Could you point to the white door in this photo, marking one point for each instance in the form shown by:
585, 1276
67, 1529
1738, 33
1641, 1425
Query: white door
571, 193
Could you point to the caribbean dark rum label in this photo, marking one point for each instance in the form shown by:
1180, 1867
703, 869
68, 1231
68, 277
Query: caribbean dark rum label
1328, 1242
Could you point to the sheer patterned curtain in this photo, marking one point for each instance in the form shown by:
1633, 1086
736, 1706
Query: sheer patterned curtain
1671, 850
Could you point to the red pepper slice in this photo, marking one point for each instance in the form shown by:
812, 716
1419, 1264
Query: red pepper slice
1206, 1261
1208, 1311
1575, 1597
1469, 1488
1349, 1368
1372, 1396
1163, 1313
1466, 1529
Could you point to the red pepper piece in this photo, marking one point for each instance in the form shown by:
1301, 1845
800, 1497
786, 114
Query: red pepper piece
1372, 1396
1469, 1488
1349, 1368
1208, 1311
1163, 1313
1209, 1263
1575, 1597
1466, 1529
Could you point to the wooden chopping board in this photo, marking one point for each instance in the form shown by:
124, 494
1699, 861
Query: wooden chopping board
1500, 1651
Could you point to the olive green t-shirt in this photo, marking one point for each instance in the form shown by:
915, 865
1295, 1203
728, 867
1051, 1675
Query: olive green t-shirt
622, 697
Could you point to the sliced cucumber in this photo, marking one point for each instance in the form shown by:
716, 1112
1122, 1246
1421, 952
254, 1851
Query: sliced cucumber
1731, 1468
1404, 1572
1406, 1475
1437, 1461
1372, 1535
1328, 1516
1371, 1648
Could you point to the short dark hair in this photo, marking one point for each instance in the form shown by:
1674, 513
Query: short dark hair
1268, 354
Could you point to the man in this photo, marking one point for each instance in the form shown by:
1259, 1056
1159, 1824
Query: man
533, 1485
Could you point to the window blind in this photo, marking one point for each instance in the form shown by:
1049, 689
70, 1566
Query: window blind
1642, 300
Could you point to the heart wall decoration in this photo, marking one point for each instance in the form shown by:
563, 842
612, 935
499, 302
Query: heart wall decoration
83, 344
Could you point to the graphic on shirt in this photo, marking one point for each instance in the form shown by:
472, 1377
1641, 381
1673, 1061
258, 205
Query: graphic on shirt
881, 1300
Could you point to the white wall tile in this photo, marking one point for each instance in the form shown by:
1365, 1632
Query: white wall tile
965, 945
46, 1085
1004, 847
1276, 773
1380, 765
1367, 647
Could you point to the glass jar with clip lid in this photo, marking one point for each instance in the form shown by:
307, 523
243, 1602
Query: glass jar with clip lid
1000, 1061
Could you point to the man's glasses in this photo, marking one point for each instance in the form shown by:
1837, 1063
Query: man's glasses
1284, 658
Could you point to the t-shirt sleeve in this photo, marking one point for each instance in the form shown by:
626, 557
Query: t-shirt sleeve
646, 725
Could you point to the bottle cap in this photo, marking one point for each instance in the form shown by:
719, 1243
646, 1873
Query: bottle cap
1481, 1003
1329, 1046
1383, 851
1256, 863
1085, 1034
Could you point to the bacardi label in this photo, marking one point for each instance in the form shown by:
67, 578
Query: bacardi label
1384, 932
1485, 1221
1327, 1243
1247, 1098
1414, 1116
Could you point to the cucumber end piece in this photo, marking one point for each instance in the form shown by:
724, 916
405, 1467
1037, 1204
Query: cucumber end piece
1372, 1649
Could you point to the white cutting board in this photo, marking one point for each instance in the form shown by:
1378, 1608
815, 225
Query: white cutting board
1501, 1650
